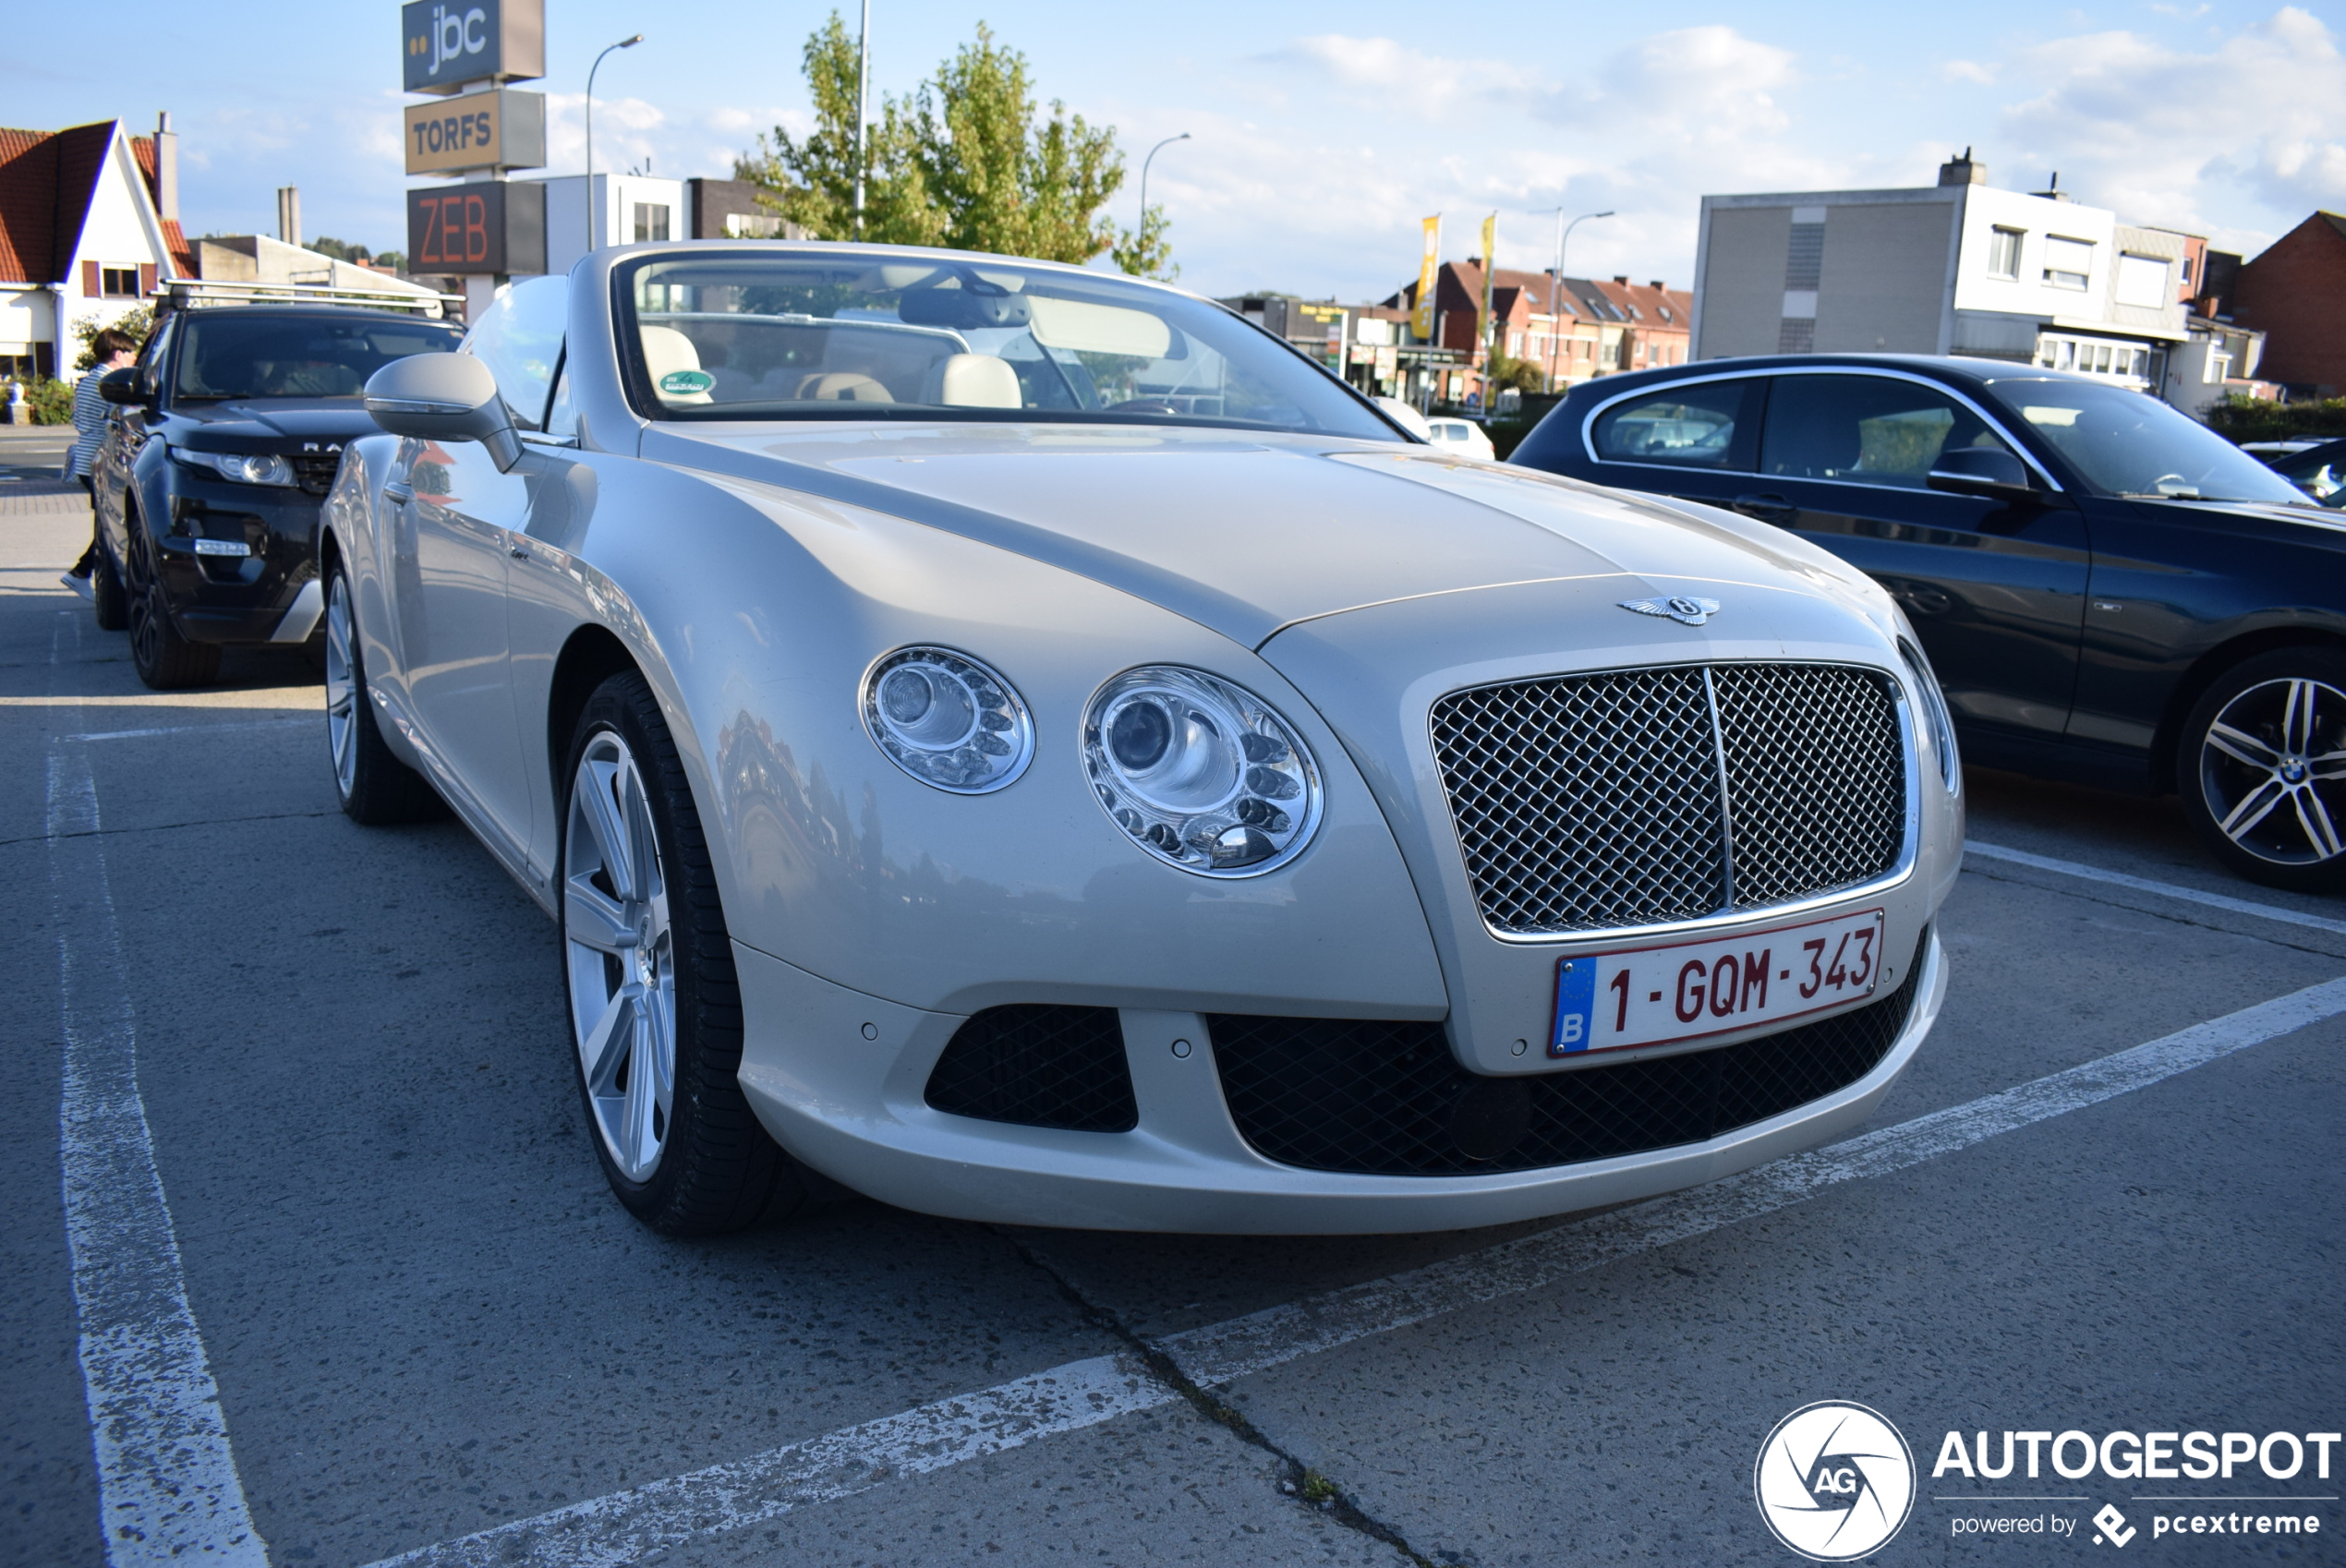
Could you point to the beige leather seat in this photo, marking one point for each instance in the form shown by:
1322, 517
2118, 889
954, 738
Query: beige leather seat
972, 380
666, 350
841, 386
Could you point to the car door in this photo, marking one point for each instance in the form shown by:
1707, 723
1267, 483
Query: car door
455, 518
1696, 440
1995, 589
129, 427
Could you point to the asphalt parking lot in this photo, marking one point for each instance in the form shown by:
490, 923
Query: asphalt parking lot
310, 1249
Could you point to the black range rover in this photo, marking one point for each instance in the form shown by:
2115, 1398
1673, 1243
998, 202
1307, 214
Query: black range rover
206, 488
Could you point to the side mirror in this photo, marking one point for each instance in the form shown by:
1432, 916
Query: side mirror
123, 386
1988, 471
443, 397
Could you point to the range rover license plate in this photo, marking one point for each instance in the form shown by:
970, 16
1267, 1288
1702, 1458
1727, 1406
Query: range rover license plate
1687, 990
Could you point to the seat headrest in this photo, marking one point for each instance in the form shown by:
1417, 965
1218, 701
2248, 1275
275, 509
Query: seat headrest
666, 351
973, 380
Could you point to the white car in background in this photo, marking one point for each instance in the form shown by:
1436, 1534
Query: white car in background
1460, 437
1025, 745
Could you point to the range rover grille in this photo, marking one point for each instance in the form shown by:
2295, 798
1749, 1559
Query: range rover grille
1641, 796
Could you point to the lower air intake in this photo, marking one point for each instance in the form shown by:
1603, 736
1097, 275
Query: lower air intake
1372, 1098
1038, 1066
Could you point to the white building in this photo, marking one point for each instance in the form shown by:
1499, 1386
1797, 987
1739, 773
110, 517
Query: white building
88, 222
1956, 268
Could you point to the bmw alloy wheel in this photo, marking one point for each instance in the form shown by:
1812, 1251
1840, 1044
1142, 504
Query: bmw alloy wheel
620, 955
2272, 771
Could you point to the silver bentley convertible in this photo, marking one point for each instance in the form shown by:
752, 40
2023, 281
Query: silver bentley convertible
1026, 745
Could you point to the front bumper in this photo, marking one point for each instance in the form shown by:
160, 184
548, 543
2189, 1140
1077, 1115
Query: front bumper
270, 593
838, 1076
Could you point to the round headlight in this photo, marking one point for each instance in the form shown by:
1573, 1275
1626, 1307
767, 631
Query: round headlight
948, 721
1200, 773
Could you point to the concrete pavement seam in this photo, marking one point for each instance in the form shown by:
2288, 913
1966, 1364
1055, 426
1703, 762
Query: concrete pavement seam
705, 1502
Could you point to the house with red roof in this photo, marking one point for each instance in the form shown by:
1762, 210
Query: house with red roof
88, 222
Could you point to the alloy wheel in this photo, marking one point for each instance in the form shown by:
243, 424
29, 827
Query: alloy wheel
619, 952
342, 688
146, 609
2272, 769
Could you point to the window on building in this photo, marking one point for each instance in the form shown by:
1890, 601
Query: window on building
2142, 281
752, 225
2069, 263
118, 283
651, 221
2186, 268
2003, 253
1515, 346
2219, 370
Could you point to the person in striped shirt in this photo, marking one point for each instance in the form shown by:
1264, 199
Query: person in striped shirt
114, 350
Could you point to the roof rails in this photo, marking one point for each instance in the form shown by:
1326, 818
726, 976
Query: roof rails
185, 292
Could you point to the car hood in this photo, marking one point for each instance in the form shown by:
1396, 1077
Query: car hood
1251, 534
268, 424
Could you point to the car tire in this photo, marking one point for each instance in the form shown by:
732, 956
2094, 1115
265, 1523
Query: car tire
647, 973
2261, 768
376, 789
165, 659
108, 602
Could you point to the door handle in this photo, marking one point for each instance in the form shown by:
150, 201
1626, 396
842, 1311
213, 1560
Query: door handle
398, 492
1766, 508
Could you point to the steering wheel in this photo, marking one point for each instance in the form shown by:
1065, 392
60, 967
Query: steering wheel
1143, 405
841, 386
2160, 483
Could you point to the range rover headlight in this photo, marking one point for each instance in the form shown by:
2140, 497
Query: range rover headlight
1202, 774
255, 469
948, 721
1935, 715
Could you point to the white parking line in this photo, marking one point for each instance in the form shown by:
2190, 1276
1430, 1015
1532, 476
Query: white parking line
627, 1524
2164, 890
167, 1486
190, 729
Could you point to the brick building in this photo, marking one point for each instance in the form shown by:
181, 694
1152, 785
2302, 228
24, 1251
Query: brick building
1572, 333
2296, 293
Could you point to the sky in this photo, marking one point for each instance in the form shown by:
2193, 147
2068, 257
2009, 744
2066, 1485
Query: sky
1319, 134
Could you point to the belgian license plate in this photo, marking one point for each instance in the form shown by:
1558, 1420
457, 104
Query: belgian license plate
1686, 990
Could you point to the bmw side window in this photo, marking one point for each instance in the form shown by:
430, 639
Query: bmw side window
1864, 430
1685, 427
520, 339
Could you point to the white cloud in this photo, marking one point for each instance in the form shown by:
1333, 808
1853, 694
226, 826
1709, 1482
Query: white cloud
1400, 77
2167, 136
1968, 70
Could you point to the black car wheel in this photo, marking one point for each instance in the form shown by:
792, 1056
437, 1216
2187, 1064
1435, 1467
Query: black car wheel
164, 658
375, 788
2263, 769
655, 1005
107, 600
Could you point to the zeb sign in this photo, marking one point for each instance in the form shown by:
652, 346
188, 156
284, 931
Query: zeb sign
445, 43
489, 227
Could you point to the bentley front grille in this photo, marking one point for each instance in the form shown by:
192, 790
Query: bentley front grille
1645, 797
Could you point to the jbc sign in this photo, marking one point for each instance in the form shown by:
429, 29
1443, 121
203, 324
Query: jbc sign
445, 43
489, 227
500, 129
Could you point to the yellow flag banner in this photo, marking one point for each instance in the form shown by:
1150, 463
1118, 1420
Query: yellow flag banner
1490, 263
1429, 271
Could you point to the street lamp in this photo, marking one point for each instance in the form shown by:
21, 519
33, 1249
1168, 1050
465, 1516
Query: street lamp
1555, 291
1144, 176
623, 44
863, 116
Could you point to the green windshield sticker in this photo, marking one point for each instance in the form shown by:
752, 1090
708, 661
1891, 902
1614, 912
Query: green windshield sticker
687, 382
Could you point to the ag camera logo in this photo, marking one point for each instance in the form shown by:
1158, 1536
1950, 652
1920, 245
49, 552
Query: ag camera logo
1834, 1481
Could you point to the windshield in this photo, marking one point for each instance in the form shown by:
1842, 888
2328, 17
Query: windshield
746, 336
2131, 444
296, 356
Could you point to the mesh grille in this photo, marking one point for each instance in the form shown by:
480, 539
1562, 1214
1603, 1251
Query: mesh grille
1038, 1067
1595, 802
1388, 1099
315, 470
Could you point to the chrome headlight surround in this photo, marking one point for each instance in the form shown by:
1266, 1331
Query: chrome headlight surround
948, 719
1199, 772
1935, 714
244, 468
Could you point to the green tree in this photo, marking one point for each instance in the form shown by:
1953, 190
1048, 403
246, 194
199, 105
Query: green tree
1523, 375
135, 324
962, 162
1146, 254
